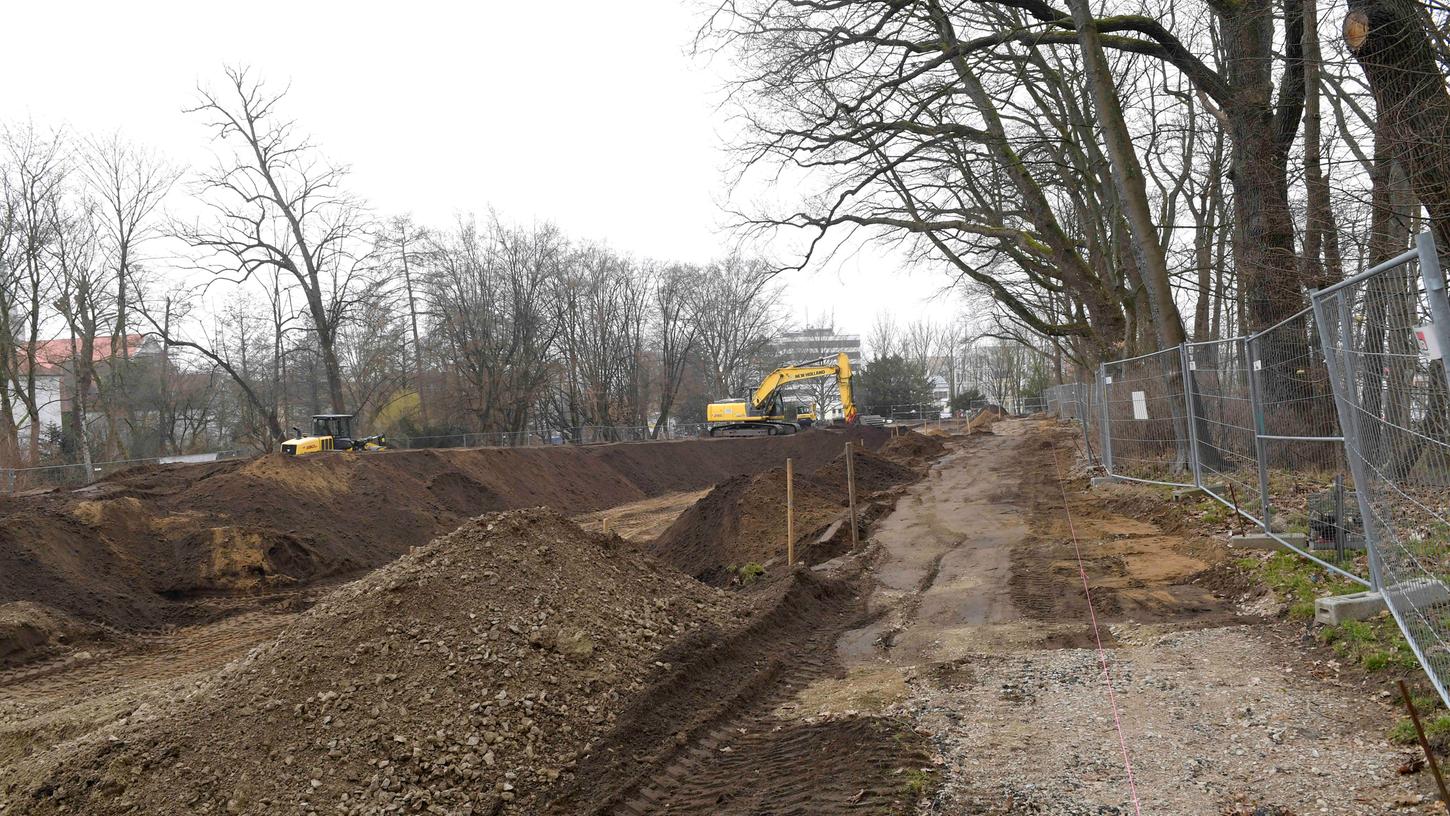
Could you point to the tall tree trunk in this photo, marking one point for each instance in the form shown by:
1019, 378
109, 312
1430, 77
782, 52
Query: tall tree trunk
1390, 42
1321, 249
1261, 132
1128, 177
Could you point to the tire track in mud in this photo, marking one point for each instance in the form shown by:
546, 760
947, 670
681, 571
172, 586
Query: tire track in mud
759, 759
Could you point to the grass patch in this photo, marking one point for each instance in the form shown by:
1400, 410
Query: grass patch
1376, 645
1437, 730
1298, 582
747, 573
919, 781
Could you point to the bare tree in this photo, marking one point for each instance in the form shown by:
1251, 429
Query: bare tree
277, 204
675, 333
82, 297
402, 246
128, 183
35, 174
737, 312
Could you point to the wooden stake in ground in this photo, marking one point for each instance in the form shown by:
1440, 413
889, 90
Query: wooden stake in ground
789, 513
1425, 744
851, 491
604, 521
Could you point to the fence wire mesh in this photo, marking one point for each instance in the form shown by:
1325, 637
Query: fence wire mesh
1146, 419
1392, 401
1330, 430
1223, 432
1077, 403
1309, 491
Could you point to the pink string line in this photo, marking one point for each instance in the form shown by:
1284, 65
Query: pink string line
1102, 654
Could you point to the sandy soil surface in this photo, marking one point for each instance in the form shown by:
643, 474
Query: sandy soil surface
986, 643
641, 522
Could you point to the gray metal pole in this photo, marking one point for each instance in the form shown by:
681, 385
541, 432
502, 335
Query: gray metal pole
1256, 403
1346, 404
1106, 433
1185, 366
1434, 277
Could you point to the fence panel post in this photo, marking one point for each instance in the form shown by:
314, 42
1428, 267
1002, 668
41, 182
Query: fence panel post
1261, 453
1346, 404
1185, 367
1105, 440
1434, 278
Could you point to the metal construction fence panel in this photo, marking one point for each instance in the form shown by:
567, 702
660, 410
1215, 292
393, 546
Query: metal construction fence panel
1145, 419
70, 475
578, 435
1382, 333
1077, 402
1223, 429
45, 477
1308, 490
1330, 430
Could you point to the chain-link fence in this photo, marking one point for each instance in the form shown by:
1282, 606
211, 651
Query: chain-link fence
45, 477
1383, 333
1329, 430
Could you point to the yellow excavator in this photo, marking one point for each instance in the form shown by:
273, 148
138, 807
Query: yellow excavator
330, 432
763, 412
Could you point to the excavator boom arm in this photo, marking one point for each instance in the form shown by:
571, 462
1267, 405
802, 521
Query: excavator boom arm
785, 375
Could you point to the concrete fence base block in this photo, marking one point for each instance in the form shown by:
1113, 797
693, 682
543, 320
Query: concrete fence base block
1353, 542
1356, 606
1364, 605
1264, 541
1419, 594
1099, 481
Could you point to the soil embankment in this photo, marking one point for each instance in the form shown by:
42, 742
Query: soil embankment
150, 546
740, 526
519, 664
472, 674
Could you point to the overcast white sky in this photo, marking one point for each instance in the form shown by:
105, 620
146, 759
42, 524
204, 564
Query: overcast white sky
591, 115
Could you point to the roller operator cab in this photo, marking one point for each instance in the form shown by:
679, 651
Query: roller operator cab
330, 432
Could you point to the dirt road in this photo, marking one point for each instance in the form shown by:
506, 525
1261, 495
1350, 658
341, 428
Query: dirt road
987, 644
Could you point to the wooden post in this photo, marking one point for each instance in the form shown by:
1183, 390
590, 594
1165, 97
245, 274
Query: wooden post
1425, 744
851, 491
605, 522
789, 513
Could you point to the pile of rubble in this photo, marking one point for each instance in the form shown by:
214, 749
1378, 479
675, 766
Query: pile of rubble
469, 676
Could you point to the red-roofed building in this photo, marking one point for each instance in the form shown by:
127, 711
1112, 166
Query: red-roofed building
55, 375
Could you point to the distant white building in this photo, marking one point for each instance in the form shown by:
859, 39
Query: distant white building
810, 343
55, 379
941, 390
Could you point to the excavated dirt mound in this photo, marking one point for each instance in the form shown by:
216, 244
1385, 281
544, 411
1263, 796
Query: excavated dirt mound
742, 522
910, 446
31, 630
983, 420
874, 473
469, 676
142, 548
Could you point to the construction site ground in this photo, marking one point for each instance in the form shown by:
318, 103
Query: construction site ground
349, 635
